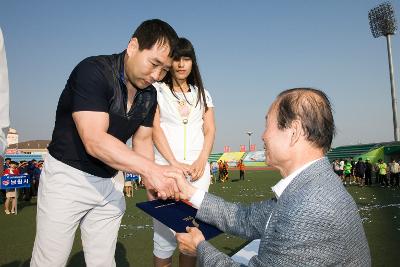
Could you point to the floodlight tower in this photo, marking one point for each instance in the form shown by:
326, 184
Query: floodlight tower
249, 134
382, 22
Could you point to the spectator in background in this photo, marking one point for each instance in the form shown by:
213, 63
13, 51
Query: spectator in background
368, 172
128, 185
10, 193
136, 180
220, 170
336, 167
394, 169
347, 172
241, 169
4, 102
225, 171
23, 170
214, 170
359, 172
376, 172
6, 164
353, 170
341, 162
36, 178
382, 173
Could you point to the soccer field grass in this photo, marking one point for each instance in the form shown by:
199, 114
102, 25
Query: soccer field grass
379, 209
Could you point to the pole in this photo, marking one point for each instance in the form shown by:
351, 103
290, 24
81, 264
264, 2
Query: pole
249, 141
16, 201
393, 89
249, 134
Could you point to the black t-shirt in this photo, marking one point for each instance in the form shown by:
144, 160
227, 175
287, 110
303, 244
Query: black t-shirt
97, 84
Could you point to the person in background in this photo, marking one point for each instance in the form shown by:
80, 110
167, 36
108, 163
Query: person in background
220, 170
241, 167
382, 173
36, 177
347, 172
353, 171
341, 169
11, 193
225, 172
394, 169
336, 167
6, 163
360, 172
184, 132
368, 172
128, 185
214, 171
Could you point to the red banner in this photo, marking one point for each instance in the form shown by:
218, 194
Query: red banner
227, 149
12, 151
252, 148
242, 148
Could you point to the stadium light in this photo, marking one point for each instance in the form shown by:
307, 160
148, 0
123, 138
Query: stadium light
382, 22
249, 134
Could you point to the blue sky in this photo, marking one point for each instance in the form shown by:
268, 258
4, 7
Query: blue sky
248, 51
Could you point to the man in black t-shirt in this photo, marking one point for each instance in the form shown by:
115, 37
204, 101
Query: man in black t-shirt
106, 101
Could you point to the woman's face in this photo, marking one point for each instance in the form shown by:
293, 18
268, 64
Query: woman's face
181, 68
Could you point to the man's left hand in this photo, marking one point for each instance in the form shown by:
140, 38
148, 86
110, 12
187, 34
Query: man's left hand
189, 241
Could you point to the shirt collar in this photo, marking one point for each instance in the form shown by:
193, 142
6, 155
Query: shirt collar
284, 182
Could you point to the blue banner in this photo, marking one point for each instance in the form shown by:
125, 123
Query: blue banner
131, 177
17, 181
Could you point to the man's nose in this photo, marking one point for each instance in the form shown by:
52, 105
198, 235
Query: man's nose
156, 75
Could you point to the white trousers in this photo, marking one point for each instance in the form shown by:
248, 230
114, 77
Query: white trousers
67, 198
164, 237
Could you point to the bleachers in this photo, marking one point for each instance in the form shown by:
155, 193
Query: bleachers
214, 157
27, 157
343, 152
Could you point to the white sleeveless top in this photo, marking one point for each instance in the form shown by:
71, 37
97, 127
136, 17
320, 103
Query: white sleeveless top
182, 123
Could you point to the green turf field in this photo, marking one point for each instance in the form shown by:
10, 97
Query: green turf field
379, 209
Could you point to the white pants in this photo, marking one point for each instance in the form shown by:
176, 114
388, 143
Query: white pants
164, 237
67, 198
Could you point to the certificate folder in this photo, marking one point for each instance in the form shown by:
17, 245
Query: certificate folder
177, 215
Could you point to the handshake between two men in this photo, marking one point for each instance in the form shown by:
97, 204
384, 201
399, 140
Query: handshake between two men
174, 184
169, 182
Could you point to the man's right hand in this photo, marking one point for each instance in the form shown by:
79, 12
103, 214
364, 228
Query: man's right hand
161, 180
186, 189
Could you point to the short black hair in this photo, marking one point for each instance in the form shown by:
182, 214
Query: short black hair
313, 108
155, 31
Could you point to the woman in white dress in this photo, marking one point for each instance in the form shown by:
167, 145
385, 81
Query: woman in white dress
183, 133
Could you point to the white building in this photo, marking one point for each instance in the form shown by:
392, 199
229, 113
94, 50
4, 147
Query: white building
12, 137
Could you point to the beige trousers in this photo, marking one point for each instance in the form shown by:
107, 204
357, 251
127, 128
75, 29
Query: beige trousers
67, 198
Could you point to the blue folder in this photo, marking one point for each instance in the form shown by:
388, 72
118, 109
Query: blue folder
177, 215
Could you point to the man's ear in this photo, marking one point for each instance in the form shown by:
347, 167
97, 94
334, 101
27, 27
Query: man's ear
133, 46
297, 131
